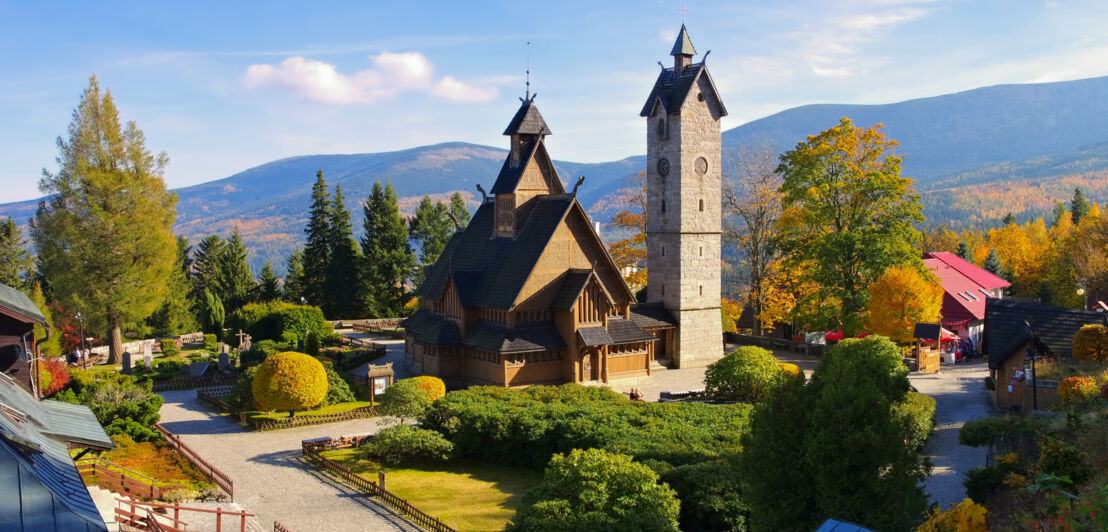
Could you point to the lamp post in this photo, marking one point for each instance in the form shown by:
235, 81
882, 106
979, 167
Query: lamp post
1034, 380
81, 343
1082, 292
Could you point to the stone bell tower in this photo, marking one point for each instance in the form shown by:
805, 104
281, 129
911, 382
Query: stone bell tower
683, 155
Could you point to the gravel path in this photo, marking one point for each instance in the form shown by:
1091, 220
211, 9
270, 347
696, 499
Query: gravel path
270, 480
960, 396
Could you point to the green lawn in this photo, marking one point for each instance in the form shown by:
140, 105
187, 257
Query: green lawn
333, 409
467, 495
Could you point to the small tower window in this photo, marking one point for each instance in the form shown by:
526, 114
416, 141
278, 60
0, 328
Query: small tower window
663, 206
661, 127
663, 290
701, 251
701, 289
701, 205
663, 251
700, 97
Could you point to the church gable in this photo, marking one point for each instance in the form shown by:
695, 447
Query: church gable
703, 92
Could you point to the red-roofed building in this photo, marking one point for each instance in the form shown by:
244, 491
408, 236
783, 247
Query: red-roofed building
967, 287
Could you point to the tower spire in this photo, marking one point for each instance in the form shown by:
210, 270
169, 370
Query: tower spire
682, 51
527, 95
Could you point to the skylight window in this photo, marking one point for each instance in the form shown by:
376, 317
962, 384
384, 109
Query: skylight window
983, 291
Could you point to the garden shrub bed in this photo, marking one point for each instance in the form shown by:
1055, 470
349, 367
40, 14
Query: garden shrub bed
331, 409
158, 461
465, 494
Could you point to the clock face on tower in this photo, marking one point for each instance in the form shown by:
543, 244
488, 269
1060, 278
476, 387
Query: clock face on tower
663, 166
701, 165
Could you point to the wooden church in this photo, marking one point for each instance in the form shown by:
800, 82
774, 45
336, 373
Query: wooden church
528, 294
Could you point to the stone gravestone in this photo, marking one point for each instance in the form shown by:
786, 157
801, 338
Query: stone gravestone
126, 362
148, 353
224, 363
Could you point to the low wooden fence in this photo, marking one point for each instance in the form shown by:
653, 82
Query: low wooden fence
122, 480
214, 397
188, 383
217, 477
303, 421
150, 516
370, 488
278, 527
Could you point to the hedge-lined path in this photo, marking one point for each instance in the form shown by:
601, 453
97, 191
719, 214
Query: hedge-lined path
270, 480
960, 396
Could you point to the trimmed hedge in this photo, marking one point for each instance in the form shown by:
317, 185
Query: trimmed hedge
917, 416
273, 319
168, 347
526, 427
748, 373
406, 444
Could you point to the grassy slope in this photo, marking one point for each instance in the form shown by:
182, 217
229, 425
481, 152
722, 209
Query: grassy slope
333, 409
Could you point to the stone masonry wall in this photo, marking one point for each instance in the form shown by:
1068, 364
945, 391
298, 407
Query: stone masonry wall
688, 232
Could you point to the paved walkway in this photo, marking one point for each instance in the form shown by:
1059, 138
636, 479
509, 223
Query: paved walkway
269, 478
960, 396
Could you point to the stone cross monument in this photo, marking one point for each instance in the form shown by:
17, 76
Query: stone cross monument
683, 147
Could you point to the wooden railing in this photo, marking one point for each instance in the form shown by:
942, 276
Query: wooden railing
278, 527
145, 516
188, 383
217, 477
303, 421
122, 480
311, 449
213, 396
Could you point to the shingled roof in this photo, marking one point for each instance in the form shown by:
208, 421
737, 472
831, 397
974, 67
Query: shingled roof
652, 316
627, 332
527, 121
432, 329
508, 179
594, 336
498, 339
671, 89
1006, 327
683, 45
572, 285
506, 263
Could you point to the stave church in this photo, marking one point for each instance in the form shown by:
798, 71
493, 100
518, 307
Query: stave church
527, 292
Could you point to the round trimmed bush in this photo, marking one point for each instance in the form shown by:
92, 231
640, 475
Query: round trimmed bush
748, 373
289, 381
791, 371
1090, 344
1077, 389
405, 444
433, 386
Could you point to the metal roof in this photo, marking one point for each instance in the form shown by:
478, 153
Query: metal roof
683, 46
64, 422
17, 302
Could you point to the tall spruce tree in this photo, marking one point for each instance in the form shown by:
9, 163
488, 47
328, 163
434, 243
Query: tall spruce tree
388, 258
294, 277
206, 268
104, 235
269, 286
316, 259
176, 315
236, 279
964, 252
430, 228
344, 297
15, 260
1079, 207
458, 209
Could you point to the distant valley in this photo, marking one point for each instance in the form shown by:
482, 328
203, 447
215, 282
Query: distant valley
976, 155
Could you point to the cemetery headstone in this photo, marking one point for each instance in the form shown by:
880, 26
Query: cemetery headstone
126, 362
224, 362
148, 360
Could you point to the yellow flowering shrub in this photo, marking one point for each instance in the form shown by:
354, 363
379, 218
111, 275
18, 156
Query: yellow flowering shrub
288, 382
791, 371
1008, 458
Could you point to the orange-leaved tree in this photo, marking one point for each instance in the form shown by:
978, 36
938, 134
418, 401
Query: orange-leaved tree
901, 298
629, 253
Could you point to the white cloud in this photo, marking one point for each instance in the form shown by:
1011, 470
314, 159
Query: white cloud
874, 21
391, 73
457, 91
668, 36
841, 72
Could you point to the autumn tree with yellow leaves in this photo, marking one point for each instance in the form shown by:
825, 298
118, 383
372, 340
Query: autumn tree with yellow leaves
901, 298
630, 253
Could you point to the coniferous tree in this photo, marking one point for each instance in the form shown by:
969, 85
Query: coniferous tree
1079, 207
430, 228
104, 235
1008, 219
1057, 214
236, 279
212, 314
344, 295
269, 287
459, 210
294, 277
206, 268
176, 315
389, 260
992, 263
15, 260
964, 252
316, 259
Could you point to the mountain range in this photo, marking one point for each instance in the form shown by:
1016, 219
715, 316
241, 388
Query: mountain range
976, 155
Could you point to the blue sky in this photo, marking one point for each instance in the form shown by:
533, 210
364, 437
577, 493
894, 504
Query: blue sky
223, 86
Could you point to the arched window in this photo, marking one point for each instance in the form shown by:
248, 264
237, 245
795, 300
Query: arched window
701, 205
